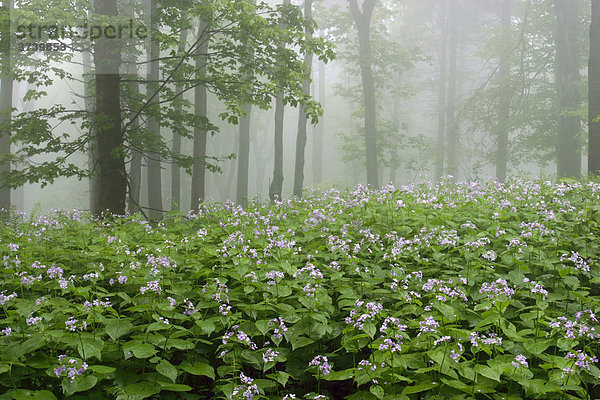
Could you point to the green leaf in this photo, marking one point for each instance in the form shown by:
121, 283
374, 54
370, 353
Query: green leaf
487, 321
199, 368
115, 328
421, 387
139, 349
174, 387
377, 391
339, 375
167, 369
80, 384
142, 390
488, 372
300, 341
281, 377
91, 348
370, 329
102, 369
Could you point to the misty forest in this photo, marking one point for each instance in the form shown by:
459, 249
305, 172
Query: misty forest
299, 199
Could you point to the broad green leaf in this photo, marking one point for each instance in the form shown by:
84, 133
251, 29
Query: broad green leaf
199, 368
167, 369
115, 328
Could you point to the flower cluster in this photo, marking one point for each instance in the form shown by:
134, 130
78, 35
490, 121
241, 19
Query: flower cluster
581, 359
72, 367
322, 363
444, 292
247, 390
357, 319
494, 289
477, 339
520, 361
580, 327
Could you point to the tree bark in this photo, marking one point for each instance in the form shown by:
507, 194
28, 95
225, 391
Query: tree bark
451, 122
111, 163
319, 130
441, 128
243, 159
276, 186
6, 94
200, 132
502, 129
302, 117
594, 92
362, 20
567, 88
154, 183
89, 104
176, 147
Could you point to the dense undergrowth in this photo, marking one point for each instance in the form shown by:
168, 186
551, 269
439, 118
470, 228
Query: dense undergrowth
456, 291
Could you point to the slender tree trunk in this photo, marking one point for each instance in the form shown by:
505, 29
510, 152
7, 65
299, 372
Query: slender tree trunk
111, 163
504, 102
276, 186
302, 117
243, 159
155, 202
319, 130
567, 88
200, 111
88, 83
362, 19
6, 94
441, 129
135, 169
176, 147
594, 92
451, 122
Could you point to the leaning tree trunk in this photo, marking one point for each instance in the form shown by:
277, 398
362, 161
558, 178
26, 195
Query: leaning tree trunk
200, 111
451, 121
441, 128
6, 93
111, 163
302, 117
154, 183
362, 20
567, 88
502, 127
594, 92
276, 186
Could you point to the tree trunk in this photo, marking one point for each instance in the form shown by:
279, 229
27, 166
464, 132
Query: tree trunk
302, 117
200, 132
362, 19
6, 94
504, 102
135, 170
451, 122
111, 163
89, 104
176, 147
243, 158
276, 186
441, 128
319, 130
567, 88
154, 183
594, 92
